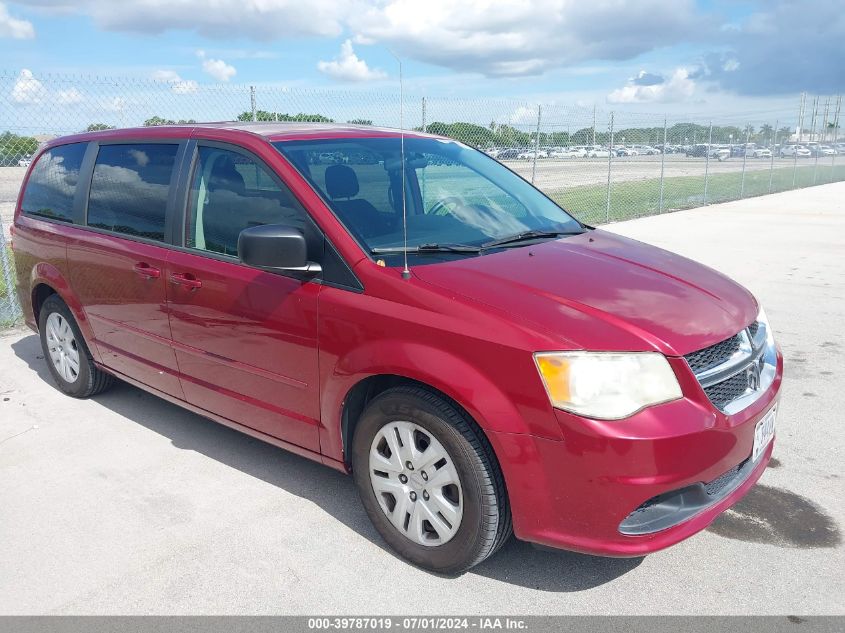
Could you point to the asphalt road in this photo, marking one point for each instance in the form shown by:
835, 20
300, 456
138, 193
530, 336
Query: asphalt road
128, 504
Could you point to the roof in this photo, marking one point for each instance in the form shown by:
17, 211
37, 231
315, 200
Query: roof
285, 128
272, 131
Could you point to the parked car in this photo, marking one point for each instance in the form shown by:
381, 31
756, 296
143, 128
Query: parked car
508, 154
469, 396
839, 147
759, 152
619, 150
798, 151
530, 154
719, 152
26, 161
698, 150
597, 151
567, 152
645, 150
821, 150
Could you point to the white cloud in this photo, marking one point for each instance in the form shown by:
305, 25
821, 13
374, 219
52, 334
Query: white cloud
116, 104
13, 27
501, 38
730, 65
347, 66
678, 87
177, 84
223, 19
27, 89
518, 37
217, 68
523, 115
69, 96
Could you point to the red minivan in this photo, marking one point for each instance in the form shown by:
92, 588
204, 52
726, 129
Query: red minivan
404, 308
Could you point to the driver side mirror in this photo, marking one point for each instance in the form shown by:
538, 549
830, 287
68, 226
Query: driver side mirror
275, 247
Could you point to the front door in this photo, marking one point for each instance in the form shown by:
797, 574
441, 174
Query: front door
245, 340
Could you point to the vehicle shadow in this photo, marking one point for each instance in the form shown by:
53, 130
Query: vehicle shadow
518, 563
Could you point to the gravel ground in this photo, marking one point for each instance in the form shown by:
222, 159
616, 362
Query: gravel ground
128, 504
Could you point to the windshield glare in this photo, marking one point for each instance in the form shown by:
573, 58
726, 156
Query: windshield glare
453, 193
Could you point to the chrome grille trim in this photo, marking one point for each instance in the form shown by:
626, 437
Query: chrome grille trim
747, 352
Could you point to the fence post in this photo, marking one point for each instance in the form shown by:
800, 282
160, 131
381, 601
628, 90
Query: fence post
800, 132
772, 159
609, 163
594, 124
252, 103
662, 165
835, 138
744, 159
823, 135
423, 115
707, 161
536, 145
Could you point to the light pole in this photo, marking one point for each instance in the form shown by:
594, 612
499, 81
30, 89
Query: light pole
731, 144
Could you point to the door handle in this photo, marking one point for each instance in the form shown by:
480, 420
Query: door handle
185, 279
145, 270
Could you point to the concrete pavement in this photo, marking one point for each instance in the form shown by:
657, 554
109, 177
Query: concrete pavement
127, 504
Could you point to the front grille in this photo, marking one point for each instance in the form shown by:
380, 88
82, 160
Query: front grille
732, 369
710, 357
723, 393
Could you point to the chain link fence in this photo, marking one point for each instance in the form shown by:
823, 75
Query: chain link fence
602, 165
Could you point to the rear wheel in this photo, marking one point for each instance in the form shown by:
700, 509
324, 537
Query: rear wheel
66, 353
429, 481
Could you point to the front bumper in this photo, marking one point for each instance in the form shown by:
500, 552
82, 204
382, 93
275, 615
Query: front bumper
578, 493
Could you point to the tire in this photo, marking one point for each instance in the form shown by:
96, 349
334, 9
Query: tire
61, 337
431, 424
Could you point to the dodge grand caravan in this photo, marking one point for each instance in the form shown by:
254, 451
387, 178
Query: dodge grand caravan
406, 309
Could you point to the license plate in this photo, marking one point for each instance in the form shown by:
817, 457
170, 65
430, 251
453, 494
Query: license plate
764, 431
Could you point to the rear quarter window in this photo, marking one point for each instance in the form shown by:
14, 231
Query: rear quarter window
129, 188
52, 184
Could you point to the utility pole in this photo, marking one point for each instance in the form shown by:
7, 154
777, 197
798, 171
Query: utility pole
252, 103
594, 124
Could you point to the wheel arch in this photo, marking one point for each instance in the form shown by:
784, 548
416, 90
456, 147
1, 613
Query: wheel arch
368, 388
46, 280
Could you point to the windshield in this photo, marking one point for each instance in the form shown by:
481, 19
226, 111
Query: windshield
454, 195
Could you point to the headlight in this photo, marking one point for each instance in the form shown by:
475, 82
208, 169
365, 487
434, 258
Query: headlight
763, 319
607, 385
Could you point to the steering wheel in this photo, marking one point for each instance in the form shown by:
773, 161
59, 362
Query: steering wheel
441, 207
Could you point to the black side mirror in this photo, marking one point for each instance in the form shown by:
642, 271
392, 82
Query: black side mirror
275, 247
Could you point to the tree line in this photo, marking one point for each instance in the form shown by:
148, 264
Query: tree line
13, 147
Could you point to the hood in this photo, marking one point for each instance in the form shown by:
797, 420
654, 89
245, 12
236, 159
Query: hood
601, 291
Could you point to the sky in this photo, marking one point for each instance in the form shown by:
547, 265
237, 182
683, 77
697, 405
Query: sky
698, 57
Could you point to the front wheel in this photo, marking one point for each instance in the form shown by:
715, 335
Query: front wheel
429, 481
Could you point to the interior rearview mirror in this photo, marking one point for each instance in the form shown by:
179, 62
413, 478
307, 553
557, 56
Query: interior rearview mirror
275, 247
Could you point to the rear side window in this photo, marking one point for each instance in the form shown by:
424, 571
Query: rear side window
129, 188
52, 184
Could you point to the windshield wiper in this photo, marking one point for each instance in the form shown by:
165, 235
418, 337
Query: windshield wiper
525, 236
427, 248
